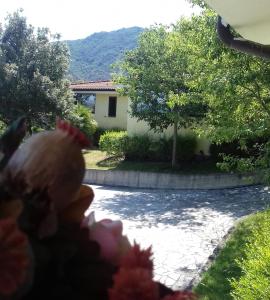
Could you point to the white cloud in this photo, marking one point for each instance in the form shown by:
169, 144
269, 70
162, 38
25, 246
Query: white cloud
80, 18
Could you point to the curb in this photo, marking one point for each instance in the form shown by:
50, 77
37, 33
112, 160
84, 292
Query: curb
197, 279
211, 259
151, 180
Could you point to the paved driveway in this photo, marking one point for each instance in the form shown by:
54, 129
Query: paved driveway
183, 227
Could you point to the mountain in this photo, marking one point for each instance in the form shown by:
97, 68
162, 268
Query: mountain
91, 57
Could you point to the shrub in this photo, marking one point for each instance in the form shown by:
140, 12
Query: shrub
83, 119
114, 142
231, 148
99, 131
186, 147
161, 150
138, 147
3, 127
36, 129
252, 148
142, 147
96, 136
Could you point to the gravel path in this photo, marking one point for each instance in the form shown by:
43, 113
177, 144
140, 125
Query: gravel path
183, 227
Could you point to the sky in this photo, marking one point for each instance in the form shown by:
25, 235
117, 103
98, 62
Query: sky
80, 18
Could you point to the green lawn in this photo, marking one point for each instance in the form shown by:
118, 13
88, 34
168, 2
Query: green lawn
232, 260
96, 159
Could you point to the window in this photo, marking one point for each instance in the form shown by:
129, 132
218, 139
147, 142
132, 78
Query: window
88, 100
112, 106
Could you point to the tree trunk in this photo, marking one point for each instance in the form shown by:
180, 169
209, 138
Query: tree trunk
175, 126
29, 127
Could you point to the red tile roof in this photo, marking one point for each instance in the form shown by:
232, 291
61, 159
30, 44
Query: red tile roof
93, 86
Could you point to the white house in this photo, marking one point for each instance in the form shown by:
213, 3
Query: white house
110, 110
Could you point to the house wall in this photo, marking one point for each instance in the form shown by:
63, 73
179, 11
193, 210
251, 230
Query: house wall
124, 121
135, 127
101, 111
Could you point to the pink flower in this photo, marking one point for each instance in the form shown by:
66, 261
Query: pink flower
108, 234
137, 258
134, 284
182, 295
14, 258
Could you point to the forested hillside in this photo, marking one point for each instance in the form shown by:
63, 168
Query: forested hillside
91, 57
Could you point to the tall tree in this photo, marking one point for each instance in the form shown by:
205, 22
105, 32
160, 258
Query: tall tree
33, 65
155, 77
235, 85
200, 3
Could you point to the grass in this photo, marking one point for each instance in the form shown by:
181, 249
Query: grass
96, 159
228, 266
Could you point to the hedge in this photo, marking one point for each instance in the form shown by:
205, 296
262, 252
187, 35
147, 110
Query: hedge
145, 148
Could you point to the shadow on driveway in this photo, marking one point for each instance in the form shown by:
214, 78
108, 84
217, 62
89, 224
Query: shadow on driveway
170, 206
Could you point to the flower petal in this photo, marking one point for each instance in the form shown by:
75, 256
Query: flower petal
14, 258
134, 284
11, 208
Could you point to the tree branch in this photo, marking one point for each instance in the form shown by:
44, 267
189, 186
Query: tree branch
261, 100
258, 93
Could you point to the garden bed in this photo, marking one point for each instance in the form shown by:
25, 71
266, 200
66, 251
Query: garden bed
99, 160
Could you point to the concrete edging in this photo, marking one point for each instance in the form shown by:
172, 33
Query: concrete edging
136, 179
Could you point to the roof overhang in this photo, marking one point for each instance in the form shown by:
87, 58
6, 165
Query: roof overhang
98, 92
251, 19
94, 86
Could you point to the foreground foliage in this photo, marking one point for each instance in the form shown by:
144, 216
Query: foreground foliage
241, 270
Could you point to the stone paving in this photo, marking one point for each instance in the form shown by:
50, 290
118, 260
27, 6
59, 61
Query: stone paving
183, 227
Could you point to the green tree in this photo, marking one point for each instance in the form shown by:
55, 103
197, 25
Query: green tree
156, 77
83, 119
235, 86
200, 3
33, 65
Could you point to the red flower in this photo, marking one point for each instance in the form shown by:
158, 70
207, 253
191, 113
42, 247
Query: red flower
181, 296
137, 258
134, 284
13, 257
